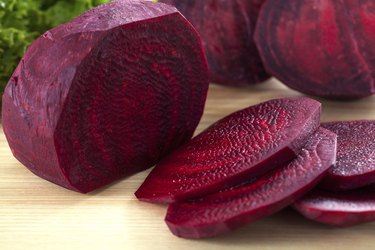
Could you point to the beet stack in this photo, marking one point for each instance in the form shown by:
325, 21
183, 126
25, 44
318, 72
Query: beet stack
349, 197
227, 210
227, 28
241, 146
321, 48
248, 165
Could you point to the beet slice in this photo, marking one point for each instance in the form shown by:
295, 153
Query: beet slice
346, 208
106, 95
224, 211
355, 166
241, 146
322, 48
227, 29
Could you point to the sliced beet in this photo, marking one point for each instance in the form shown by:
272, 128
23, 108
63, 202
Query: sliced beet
344, 208
224, 211
322, 48
227, 28
355, 166
106, 94
241, 146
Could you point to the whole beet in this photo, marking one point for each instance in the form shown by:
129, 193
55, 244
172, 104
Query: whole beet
227, 29
106, 95
322, 48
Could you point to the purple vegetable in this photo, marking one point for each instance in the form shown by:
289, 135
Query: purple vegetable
224, 211
322, 48
241, 146
346, 208
227, 28
355, 166
106, 95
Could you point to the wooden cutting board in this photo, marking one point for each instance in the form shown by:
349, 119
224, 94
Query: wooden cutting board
35, 214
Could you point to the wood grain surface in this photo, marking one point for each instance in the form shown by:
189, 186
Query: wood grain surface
35, 214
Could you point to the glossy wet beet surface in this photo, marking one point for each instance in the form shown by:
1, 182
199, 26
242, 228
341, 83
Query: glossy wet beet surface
224, 211
106, 95
355, 166
345, 208
241, 146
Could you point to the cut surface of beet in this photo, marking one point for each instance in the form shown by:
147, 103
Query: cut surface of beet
243, 145
227, 29
106, 95
322, 48
345, 208
224, 211
355, 165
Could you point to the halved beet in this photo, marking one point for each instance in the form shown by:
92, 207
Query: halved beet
224, 211
227, 28
355, 166
344, 208
106, 94
241, 146
323, 48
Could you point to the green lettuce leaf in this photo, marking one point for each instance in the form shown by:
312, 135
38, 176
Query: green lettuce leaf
22, 21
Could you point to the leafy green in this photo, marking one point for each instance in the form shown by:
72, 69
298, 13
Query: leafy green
22, 21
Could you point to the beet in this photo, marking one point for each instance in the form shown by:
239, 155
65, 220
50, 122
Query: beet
106, 95
322, 48
241, 146
227, 28
344, 208
224, 211
355, 166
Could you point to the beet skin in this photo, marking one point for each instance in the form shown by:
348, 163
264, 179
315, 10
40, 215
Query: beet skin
227, 29
322, 48
239, 147
224, 211
106, 95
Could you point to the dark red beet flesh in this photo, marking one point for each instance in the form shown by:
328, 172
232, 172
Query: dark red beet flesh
106, 95
241, 146
227, 29
344, 208
355, 166
224, 211
323, 48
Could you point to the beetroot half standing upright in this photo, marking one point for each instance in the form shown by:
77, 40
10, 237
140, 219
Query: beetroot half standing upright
355, 166
225, 211
241, 146
346, 208
322, 48
106, 95
227, 29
